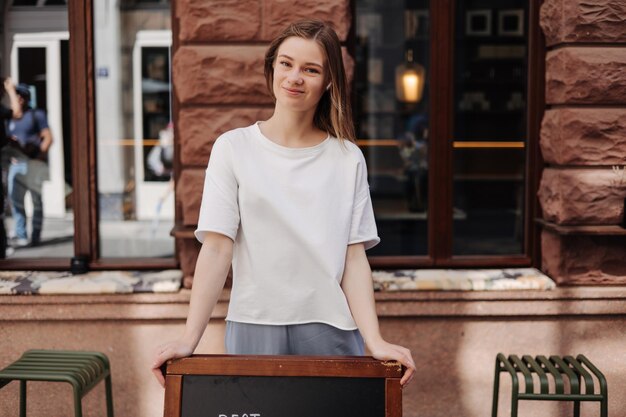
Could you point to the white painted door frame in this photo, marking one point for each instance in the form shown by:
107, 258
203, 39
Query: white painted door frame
148, 193
54, 188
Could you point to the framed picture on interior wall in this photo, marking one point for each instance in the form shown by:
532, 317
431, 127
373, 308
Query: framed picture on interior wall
416, 24
369, 26
375, 71
478, 22
511, 22
423, 27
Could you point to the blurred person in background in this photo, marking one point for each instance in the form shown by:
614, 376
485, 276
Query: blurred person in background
29, 141
6, 114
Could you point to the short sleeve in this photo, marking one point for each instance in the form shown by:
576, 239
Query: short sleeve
363, 226
42, 120
219, 211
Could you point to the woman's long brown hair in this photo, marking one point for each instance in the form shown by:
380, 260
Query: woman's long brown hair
333, 113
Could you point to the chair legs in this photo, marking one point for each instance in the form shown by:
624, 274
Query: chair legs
556, 369
22, 398
496, 393
496, 390
109, 396
78, 409
514, 404
78, 406
604, 407
82, 370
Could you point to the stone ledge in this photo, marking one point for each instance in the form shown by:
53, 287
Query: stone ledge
575, 301
583, 230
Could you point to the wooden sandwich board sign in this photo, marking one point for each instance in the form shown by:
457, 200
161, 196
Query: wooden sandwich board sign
282, 386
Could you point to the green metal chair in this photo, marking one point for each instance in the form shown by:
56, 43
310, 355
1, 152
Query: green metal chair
83, 370
576, 371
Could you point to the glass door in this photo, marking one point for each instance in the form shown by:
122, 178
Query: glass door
392, 119
39, 62
153, 130
133, 135
446, 112
489, 142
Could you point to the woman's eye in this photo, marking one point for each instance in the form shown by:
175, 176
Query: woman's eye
312, 71
285, 64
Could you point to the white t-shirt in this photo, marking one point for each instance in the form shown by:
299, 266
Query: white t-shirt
291, 212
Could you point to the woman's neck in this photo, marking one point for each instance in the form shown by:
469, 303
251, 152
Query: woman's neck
292, 129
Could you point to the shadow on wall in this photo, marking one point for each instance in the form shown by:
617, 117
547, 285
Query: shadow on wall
455, 353
561, 335
434, 342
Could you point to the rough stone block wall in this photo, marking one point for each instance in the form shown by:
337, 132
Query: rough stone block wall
583, 135
218, 79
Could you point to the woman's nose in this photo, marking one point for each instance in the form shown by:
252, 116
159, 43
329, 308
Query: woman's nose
294, 76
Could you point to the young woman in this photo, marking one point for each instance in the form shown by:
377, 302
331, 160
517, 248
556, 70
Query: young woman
286, 201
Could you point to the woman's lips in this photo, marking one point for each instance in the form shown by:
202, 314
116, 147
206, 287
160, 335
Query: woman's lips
293, 91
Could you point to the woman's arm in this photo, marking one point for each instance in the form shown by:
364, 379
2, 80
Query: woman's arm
357, 285
212, 268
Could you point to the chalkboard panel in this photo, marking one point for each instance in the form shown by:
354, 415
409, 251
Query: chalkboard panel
229, 396
282, 386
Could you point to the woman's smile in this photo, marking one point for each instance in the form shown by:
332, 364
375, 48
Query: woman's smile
293, 91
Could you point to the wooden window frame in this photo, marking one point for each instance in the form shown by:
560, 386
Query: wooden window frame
84, 158
442, 18
86, 237
85, 198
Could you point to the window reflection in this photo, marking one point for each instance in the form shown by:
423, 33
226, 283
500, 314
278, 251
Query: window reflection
391, 85
37, 183
133, 129
156, 130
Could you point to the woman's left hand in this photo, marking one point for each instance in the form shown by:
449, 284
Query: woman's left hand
389, 352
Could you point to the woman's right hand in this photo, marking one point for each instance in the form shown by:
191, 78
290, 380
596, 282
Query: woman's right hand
214, 260
172, 350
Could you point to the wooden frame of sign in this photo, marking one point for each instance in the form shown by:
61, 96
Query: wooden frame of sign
260, 386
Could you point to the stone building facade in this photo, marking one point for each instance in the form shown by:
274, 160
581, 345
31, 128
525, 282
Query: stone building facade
218, 81
218, 50
583, 137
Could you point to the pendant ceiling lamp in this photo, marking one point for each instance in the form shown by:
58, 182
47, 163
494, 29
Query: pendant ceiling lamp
410, 79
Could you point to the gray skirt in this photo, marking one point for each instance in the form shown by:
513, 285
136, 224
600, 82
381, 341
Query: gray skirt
315, 339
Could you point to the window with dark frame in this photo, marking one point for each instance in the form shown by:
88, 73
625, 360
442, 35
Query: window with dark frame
392, 119
486, 137
379, 133
490, 134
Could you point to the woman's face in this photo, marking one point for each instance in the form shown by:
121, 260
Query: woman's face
299, 74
